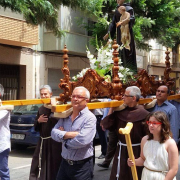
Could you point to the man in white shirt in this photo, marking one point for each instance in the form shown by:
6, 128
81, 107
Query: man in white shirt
4, 140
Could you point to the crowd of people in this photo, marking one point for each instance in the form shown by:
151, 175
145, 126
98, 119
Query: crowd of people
65, 149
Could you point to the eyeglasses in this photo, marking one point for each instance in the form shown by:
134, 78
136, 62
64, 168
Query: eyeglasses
152, 123
77, 97
161, 91
127, 95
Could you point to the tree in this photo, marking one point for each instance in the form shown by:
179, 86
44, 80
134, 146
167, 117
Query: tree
159, 19
155, 19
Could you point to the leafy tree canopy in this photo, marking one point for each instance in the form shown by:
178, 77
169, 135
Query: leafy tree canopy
155, 19
159, 19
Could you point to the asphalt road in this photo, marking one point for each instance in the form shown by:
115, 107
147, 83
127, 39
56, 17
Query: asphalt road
20, 162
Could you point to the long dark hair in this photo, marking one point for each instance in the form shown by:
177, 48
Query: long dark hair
165, 126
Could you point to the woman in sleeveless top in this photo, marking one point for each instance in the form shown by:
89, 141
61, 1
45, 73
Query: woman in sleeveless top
159, 153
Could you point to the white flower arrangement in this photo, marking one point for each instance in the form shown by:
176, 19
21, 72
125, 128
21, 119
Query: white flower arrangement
80, 74
125, 74
103, 64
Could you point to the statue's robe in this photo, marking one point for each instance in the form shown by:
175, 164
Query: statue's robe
51, 150
128, 57
117, 120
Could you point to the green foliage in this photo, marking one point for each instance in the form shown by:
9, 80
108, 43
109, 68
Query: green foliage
154, 18
161, 23
99, 30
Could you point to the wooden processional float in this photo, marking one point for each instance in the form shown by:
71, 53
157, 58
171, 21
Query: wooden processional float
99, 88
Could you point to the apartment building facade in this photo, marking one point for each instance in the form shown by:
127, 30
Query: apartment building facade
16, 58
156, 62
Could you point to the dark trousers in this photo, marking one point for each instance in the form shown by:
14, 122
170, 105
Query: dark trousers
102, 135
113, 139
4, 170
82, 171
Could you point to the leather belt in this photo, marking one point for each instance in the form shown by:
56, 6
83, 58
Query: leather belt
164, 172
71, 162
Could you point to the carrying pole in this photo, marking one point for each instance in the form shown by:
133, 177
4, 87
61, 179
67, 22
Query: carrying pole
126, 131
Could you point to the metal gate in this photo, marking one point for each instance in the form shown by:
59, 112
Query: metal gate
9, 78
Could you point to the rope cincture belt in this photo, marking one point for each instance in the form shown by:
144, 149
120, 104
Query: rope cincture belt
40, 153
119, 157
164, 172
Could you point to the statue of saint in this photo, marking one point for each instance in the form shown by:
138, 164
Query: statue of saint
127, 54
124, 23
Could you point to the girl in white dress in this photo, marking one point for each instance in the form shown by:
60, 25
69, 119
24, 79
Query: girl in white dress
159, 152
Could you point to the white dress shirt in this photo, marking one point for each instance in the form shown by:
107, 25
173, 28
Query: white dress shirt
4, 130
97, 112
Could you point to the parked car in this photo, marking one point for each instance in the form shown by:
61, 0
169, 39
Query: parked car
22, 126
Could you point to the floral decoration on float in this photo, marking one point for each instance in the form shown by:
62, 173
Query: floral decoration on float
103, 63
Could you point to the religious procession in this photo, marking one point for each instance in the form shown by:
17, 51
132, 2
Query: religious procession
112, 113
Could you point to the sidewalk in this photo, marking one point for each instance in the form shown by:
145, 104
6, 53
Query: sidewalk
100, 173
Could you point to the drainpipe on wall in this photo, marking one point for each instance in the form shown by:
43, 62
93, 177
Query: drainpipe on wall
35, 70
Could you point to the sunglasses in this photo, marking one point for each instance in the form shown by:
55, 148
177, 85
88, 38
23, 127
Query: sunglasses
152, 123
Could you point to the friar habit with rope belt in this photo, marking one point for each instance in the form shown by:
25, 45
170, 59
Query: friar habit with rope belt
47, 156
119, 119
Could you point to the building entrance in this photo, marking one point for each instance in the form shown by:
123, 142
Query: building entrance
9, 78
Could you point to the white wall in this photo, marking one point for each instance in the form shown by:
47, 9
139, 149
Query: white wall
8, 13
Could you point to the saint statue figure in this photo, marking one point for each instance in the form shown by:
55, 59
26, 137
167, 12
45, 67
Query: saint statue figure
124, 23
127, 54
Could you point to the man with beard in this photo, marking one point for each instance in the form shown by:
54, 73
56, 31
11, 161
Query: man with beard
47, 156
118, 119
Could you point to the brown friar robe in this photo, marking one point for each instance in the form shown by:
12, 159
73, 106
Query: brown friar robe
117, 120
51, 150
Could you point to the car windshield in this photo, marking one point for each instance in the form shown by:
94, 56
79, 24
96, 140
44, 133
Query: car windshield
26, 109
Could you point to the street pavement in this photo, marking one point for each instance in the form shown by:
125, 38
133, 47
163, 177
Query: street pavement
20, 162
100, 173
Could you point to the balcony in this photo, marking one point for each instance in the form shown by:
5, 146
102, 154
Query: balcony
76, 43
